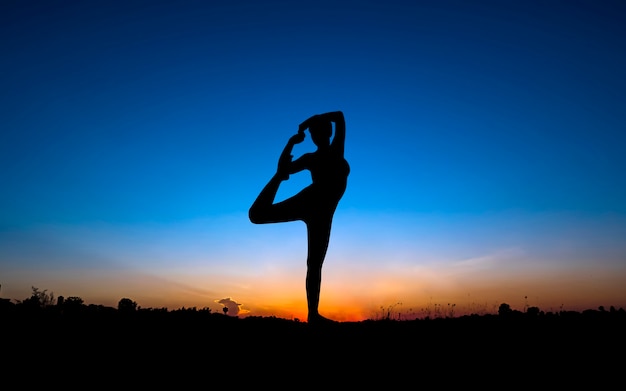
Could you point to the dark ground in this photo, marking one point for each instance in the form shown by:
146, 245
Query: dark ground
195, 349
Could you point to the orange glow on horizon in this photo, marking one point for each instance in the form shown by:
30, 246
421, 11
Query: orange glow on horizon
345, 297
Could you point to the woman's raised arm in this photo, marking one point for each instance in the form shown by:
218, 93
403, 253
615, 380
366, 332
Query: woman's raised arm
339, 137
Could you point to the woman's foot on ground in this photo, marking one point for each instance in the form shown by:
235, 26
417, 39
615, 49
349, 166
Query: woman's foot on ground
317, 320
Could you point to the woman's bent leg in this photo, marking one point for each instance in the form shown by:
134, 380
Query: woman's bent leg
260, 211
264, 210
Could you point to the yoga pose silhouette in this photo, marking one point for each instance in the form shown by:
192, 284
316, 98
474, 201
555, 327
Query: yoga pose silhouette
316, 203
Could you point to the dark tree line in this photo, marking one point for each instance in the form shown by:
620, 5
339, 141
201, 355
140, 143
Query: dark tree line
42, 303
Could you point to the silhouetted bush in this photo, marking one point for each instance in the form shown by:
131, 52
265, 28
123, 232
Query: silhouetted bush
126, 306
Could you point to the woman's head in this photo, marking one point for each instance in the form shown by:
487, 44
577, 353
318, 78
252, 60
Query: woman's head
321, 131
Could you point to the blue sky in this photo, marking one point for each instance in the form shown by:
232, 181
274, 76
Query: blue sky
484, 137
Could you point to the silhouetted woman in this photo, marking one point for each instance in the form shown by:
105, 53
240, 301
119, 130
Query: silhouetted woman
316, 203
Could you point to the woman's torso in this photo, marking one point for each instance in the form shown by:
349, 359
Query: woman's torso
329, 172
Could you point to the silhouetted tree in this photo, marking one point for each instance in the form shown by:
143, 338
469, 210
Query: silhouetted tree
126, 305
504, 309
39, 299
74, 300
73, 304
533, 311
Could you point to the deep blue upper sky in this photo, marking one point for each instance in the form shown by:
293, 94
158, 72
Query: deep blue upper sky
166, 110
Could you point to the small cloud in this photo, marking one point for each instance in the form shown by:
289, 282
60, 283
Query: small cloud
234, 308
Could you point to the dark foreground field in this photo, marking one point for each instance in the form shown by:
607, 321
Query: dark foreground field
176, 348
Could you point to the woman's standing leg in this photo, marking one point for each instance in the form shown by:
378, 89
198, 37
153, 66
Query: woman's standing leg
318, 235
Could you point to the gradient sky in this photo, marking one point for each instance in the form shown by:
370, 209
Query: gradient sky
486, 141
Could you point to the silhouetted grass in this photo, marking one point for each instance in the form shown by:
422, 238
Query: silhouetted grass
159, 344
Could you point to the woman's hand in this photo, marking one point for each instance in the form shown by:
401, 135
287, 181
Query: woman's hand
297, 138
307, 124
